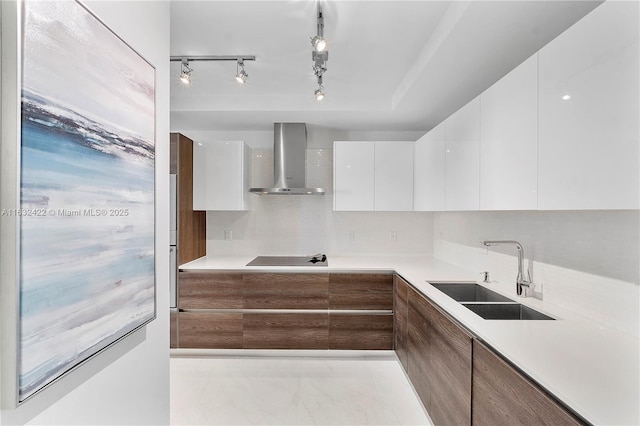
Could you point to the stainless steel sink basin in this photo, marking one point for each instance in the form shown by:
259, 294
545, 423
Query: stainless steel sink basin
505, 311
487, 303
470, 292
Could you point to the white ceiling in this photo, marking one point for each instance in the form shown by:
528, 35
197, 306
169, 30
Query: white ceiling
393, 65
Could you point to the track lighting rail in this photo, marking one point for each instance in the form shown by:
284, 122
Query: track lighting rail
213, 58
186, 70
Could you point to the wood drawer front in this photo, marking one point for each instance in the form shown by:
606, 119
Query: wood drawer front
206, 330
400, 314
209, 290
286, 331
361, 291
360, 331
503, 396
286, 291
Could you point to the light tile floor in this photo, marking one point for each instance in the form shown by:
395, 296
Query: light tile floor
291, 388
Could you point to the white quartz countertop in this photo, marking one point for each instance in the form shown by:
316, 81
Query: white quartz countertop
593, 369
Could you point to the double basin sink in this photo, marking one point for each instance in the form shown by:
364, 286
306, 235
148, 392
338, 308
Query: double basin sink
487, 303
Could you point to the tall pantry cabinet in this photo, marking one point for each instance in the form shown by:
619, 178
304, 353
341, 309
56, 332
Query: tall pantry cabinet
191, 226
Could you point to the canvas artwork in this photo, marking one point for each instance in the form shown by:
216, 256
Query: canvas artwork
87, 261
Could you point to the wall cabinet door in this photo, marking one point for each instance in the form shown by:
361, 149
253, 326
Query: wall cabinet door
589, 150
463, 158
503, 396
429, 170
509, 141
372, 176
439, 361
393, 176
221, 176
353, 176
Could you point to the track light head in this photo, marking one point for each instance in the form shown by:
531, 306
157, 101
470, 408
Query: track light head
319, 54
185, 73
241, 75
319, 43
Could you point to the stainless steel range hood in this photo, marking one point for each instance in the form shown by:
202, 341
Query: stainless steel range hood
289, 162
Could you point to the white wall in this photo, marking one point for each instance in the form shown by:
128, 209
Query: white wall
301, 225
128, 383
585, 261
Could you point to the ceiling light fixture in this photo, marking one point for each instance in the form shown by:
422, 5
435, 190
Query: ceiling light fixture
318, 42
186, 70
241, 75
319, 55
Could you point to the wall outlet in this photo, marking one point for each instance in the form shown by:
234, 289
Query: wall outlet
351, 236
393, 235
228, 235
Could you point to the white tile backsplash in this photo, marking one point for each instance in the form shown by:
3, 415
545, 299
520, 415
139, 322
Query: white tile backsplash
602, 297
301, 224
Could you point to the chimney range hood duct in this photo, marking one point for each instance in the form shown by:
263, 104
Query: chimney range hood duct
289, 162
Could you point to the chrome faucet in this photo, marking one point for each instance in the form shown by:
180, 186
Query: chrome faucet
520, 279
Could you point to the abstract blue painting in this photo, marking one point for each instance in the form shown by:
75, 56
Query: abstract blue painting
87, 217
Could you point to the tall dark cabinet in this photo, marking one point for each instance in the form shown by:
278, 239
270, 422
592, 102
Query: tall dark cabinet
191, 226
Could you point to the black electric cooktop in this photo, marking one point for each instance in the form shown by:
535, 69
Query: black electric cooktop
317, 260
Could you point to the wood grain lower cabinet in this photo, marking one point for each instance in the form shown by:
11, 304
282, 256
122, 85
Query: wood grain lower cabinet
400, 314
285, 310
173, 328
210, 290
286, 331
286, 291
439, 359
418, 346
361, 291
363, 329
504, 396
360, 331
209, 330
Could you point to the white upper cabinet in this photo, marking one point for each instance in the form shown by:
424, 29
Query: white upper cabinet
353, 175
393, 176
588, 144
429, 170
463, 158
370, 175
221, 176
509, 141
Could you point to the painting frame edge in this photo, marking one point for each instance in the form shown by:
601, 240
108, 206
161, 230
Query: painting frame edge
10, 86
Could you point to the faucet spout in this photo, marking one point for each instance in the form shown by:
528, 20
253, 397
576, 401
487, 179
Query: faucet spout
521, 281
